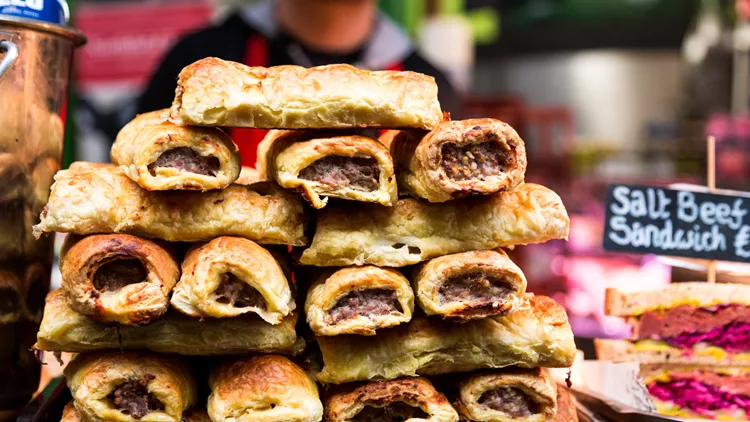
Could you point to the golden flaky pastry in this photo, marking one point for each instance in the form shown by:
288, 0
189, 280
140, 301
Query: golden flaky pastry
412, 230
358, 300
511, 395
329, 164
470, 285
214, 92
160, 155
130, 386
118, 277
231, 276
264, 388
249, 175
64, 330
70, 414
405, 399
458, 158
537, 336
97, 198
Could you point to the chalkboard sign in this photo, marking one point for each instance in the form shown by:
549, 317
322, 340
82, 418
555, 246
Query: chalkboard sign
646, 219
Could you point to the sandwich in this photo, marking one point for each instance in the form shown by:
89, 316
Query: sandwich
687, 323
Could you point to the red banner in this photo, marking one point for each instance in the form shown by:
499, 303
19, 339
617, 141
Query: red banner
126, 40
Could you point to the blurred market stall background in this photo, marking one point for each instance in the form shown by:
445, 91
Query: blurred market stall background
601, 91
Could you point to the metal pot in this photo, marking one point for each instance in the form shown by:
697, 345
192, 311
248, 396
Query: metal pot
35, 62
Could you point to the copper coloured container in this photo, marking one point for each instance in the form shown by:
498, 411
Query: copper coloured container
35, 62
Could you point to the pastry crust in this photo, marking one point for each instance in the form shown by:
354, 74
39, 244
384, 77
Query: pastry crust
435, 285
142, 141
421, 162
415, 392
214, 92
284, 155
535, 383
537, 336
205, 271
90, 198
566, 407
412, 231
141, 302
248, 176
64, 330
264, 388
331, 289
70, 414
93, 379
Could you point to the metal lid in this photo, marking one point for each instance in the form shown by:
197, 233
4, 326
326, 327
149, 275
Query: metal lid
74, 35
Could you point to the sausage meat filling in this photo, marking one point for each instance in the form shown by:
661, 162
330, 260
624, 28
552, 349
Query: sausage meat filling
352, 172
475, 161
238, 293
133, 398
117, 274
474, 287
367, 303
511, 401
186, 159
394, 412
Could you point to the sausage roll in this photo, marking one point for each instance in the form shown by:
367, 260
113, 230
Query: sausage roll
160, 155
470, 285
458, 158
412, 231
515, 395
262, 212
130, 386
118, 277
231, 276
70, 414
405, 399
264, 388
536, 336
331, 164
359, 300
64, 330
214, 92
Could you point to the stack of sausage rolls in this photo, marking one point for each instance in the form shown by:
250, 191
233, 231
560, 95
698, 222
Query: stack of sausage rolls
389, 245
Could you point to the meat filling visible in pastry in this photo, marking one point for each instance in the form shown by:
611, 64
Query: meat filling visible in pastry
230, 276
513, 395
458, 158
263, 388
327, 164
262, 212
215, 92
535, 336
470, 285
65, 330
358, 300
160, 155
70, 414
118, 277
402, 400
412, 230
130, 386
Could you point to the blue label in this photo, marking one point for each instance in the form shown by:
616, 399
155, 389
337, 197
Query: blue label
51, 11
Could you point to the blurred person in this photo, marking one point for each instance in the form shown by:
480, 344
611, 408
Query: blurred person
300, 32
